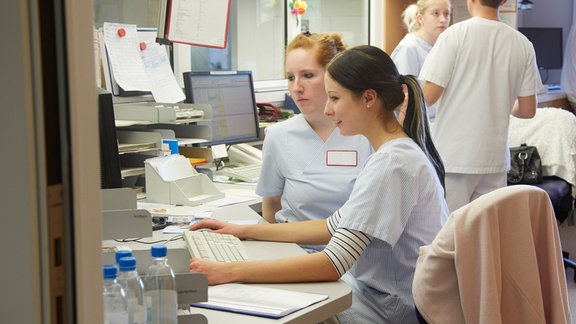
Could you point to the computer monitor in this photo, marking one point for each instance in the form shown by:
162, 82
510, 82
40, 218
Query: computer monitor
547, 44
231, 95
110, 171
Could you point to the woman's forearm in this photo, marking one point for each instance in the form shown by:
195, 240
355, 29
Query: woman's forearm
313, 232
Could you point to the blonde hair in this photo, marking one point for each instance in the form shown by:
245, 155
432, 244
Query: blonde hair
409, 17
411, 12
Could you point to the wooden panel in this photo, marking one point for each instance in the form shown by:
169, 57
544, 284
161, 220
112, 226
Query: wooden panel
394, 29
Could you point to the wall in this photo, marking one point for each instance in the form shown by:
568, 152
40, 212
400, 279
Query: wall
21, 284
549, 13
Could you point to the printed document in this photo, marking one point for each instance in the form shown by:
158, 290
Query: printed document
258, 300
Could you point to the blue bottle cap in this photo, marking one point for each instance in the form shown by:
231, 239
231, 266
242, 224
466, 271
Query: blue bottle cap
110, 271
122, 253
159, 250
127, 263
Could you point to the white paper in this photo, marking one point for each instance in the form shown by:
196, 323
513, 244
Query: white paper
228, 200
165, 88
257, 300
172, 167
124, 57
199, 22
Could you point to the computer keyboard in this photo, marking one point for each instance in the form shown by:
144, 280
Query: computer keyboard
215, 246
247, 173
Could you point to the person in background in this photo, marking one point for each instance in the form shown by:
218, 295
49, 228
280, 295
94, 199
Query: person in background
481, 71
397, 203
308, 167
568, 76
424, 20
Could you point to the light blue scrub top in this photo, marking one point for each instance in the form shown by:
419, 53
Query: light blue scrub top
295, 167
399, 201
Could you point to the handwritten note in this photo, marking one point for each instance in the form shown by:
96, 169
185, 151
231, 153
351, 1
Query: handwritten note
139, 63
199, 22
124, 56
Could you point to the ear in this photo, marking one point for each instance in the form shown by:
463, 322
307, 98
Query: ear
369, 97
419, 19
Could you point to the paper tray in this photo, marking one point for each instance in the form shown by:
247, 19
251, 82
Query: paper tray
190, 191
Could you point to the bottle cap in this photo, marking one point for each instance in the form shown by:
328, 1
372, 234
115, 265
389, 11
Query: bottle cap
159, 250
127, 263
110, 271
121, 254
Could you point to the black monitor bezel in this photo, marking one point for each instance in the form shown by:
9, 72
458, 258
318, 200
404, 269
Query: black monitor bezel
110, 168
190, 99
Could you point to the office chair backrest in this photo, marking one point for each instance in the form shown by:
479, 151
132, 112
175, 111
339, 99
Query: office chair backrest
496, 260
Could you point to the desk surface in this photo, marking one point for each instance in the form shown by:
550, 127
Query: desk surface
339, 293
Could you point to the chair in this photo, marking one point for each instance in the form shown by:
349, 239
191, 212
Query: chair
497, 259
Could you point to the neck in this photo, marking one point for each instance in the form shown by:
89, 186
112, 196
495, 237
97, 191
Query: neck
425, 36
486, 12
389, 131
321, 124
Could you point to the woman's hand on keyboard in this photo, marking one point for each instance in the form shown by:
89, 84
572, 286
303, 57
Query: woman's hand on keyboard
218, 227
215, 272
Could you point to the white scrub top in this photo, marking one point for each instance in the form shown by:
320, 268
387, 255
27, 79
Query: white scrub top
471, 124
399, 201
295, 166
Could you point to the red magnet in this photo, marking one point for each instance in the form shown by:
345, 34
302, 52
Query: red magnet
121, 32
142, 46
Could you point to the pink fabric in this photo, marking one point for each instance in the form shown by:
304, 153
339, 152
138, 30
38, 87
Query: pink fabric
496, 260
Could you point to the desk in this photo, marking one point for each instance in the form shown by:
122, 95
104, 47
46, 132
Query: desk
553, 99
339, 293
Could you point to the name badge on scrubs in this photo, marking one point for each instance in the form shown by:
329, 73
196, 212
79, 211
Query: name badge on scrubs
342, 158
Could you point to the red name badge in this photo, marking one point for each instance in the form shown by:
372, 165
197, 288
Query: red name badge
342, 158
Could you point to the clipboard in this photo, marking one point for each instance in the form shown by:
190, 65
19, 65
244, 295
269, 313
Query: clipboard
194, 22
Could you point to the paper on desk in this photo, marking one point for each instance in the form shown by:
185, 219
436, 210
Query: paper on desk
124, 57
165, 88
175, 229
241, 193
157, 209
228, 200
257, 300
233, 196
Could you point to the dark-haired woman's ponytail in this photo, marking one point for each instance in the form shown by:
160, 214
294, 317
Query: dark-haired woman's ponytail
416, 124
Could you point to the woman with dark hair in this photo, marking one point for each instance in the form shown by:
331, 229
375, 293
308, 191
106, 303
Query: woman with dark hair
395, 207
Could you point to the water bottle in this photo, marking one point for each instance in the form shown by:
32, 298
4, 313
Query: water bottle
115, 308
134, 289
121, 254
160, 288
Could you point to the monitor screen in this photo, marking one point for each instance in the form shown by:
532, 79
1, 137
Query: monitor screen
110, 171
231, 95
547, 44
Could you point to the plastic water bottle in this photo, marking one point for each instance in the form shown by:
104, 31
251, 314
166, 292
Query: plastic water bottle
160, 288
121, 254
115, 308
129, 279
